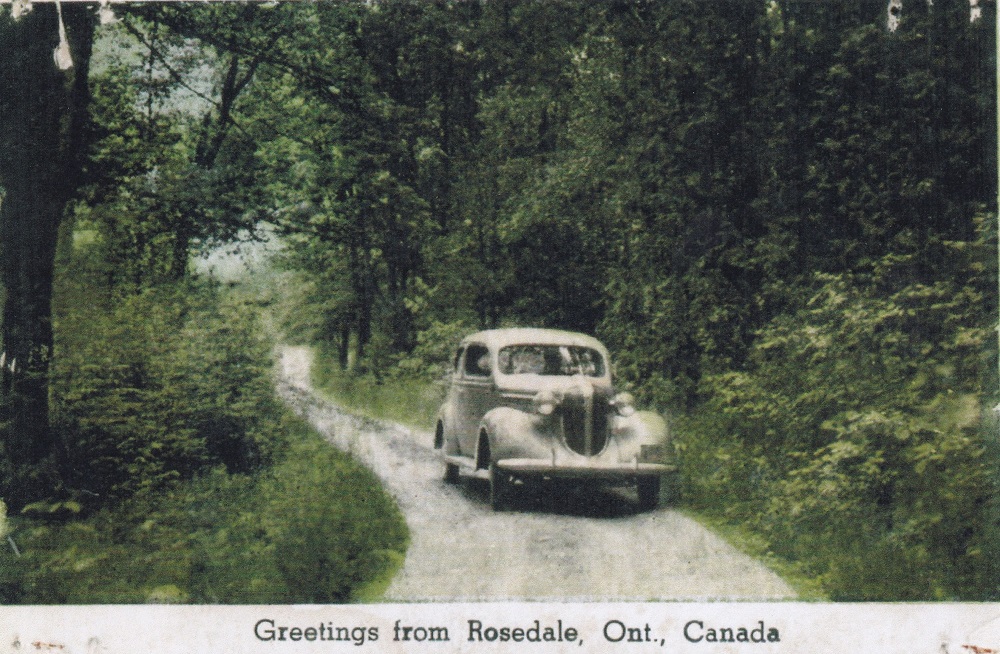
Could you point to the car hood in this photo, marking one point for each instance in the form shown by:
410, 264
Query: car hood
530, 384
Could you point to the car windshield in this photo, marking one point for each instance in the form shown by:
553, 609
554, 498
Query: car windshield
551, 360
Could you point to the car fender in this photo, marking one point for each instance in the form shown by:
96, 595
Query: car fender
651, 428
642, 429
446, 439
513, 433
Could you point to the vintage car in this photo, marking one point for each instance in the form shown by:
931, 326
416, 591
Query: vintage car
527, 404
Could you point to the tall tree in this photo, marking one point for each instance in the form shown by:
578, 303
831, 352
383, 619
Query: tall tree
43, 139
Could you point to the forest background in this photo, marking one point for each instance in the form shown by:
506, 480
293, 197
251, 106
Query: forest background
779, 215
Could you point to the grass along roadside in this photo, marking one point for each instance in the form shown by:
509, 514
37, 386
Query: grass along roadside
806, 587
314, 528
410, 402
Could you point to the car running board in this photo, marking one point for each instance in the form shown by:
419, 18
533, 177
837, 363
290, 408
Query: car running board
467, 465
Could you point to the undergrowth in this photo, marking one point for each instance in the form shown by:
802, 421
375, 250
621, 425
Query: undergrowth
412, 401
314, 528
184, 479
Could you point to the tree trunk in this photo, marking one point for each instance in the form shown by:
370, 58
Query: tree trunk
43, 130
343, 349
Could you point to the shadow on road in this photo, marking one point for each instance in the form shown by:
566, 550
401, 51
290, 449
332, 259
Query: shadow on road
591, 500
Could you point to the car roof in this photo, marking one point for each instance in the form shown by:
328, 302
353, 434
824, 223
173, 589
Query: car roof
498, 338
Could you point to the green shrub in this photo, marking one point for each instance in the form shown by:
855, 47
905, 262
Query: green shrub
159, 386
411, 400
432, 357
314, 528
854, 442
332, 527
184, 478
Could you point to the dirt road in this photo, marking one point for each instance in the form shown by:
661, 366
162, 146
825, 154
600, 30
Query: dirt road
550, 546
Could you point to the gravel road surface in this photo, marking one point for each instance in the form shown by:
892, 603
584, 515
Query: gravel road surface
566, 546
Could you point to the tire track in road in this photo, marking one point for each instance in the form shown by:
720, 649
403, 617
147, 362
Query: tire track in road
565, 546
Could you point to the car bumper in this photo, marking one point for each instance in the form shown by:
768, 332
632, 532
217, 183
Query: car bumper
592, 470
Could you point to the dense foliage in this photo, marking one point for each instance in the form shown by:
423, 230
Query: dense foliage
175, 474
777, 213
314, 528
183, 478
856, 440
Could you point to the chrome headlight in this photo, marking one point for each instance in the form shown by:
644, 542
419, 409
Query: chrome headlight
545, 403
624, 404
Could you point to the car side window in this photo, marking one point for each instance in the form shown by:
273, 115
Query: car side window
458, 359
477, 361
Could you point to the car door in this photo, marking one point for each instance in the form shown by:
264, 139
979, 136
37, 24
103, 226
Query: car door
475, 394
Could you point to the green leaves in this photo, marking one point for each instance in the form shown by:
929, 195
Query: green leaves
157, 388
772, 212
330, 523
316, 528
866, 405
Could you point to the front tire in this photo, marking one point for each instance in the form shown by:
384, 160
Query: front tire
649, 492
451, 474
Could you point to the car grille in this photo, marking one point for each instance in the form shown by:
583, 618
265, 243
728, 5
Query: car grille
576, 412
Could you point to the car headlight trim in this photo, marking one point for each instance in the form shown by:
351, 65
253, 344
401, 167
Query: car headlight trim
624, 404
545, 403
